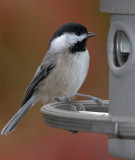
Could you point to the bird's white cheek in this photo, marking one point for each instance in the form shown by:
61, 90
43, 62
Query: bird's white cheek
60, 44
65, 41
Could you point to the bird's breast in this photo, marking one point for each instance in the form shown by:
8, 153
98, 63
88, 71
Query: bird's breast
67, 77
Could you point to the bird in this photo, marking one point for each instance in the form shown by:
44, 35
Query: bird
61, 72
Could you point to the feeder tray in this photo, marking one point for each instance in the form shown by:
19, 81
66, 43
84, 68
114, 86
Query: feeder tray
94, 119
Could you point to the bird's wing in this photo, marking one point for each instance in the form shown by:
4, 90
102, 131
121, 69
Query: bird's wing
41, 73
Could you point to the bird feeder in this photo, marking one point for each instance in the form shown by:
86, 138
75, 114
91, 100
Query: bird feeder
117, 117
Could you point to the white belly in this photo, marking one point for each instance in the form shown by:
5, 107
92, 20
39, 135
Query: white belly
66, 79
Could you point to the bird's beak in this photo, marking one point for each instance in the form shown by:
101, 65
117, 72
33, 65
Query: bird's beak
90, 34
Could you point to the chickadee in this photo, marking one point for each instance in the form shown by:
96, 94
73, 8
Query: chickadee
61, 73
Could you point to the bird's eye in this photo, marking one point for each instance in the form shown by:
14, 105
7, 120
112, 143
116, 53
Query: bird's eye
77, 32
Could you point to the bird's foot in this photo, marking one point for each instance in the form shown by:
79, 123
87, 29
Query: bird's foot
74, 106
95, 99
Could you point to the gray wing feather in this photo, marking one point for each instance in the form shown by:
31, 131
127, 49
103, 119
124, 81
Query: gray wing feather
49, 62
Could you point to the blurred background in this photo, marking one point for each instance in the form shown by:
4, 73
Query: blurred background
26, 27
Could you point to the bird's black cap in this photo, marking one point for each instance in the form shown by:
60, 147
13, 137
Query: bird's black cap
76, 28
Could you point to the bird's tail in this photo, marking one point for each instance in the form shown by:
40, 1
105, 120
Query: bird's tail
11, 125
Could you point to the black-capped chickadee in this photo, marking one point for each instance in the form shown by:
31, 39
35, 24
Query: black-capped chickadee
61, 73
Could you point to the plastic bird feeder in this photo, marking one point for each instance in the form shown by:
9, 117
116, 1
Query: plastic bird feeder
121, 59
117, 117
